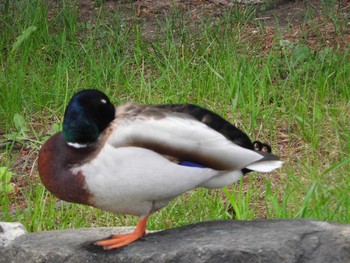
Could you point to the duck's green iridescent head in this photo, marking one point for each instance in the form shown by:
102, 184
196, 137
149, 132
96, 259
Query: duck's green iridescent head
88, 113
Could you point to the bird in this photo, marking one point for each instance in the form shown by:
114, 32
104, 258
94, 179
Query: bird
135, 158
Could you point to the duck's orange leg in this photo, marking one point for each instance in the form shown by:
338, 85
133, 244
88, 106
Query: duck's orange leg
122, 240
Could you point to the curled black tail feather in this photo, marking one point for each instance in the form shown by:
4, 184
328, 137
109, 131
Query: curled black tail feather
261, 147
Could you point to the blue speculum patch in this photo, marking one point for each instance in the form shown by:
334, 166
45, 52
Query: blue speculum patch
191, 164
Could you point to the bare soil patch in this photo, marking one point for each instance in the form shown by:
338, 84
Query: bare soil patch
295, 19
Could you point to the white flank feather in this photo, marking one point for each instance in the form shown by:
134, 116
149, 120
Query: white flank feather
224, 179
140, 181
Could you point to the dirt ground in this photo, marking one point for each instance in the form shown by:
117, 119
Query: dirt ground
285, 12
289, 16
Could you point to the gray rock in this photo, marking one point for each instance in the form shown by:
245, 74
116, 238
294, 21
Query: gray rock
9, 232
216, 241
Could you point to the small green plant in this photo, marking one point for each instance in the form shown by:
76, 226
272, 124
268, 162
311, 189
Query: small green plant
21, 129
23, 37
24, 135
5, 181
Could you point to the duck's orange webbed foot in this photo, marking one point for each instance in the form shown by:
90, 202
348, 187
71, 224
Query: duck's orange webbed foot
122, 240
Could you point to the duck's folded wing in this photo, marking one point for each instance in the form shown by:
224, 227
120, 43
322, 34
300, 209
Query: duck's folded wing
182, 137
211, 119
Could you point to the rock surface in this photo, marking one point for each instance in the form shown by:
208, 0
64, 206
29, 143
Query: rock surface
9, 232
215, 241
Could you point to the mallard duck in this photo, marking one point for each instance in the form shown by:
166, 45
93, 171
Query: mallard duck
133, 159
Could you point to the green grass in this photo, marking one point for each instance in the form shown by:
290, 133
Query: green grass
293, 94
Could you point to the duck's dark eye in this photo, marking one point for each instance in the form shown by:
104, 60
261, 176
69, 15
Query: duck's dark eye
103, 101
